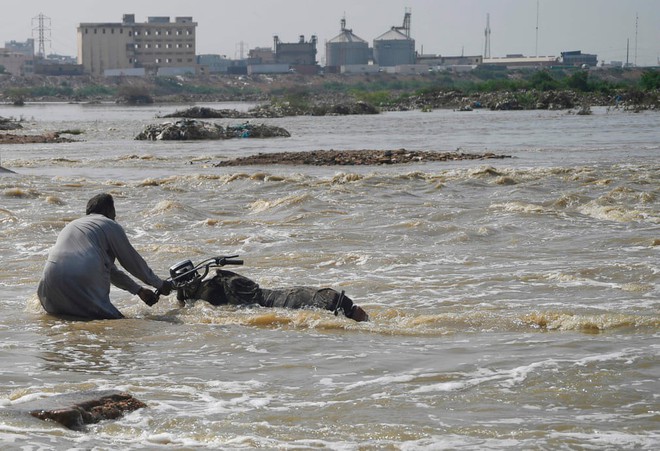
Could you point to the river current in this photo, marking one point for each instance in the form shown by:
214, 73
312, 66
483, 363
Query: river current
514, 303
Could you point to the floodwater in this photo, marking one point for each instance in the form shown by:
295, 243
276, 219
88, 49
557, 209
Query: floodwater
514, 303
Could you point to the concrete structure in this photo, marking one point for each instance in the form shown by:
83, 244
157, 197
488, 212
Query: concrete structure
346, 49
409, 69
154, 45
449, 61
359, 69
577, 58
253, 69
56, 67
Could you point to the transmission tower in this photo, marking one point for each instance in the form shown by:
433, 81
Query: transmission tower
43, 30
487, 36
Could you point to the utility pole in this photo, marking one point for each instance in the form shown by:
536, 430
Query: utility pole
537, 28
487, 36
636, 26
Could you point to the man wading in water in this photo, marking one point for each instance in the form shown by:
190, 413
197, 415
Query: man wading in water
81, 266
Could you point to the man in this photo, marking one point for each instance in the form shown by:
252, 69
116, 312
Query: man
227, 287
81, 266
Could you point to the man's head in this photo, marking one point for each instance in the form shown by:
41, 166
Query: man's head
102, 204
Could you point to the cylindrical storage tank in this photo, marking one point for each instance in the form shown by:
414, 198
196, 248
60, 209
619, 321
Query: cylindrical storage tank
394, 49
346, 49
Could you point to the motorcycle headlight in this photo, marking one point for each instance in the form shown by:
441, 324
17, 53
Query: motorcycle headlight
182, 272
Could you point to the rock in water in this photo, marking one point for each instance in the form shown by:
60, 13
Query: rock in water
75, 410
191, 129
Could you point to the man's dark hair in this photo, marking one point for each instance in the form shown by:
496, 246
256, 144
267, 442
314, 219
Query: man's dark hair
102, 204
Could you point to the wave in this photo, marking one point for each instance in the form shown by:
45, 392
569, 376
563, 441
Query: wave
396, 322
262, 205
21, 193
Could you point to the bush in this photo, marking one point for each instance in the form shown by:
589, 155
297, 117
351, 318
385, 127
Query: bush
650, 80
95, 91
579, 81
135, 95
543, 81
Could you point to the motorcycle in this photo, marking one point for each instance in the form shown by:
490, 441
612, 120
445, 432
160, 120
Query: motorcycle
229, 288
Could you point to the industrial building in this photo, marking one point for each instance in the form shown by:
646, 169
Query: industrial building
17, 64
300, 56
157, 47
395, 47
518, 61
346, 49
577, 58
17, 58
284, 57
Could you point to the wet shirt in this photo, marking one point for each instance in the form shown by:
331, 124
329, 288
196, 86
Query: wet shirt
81, 266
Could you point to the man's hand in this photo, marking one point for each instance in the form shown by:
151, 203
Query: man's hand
147, 296
166, 288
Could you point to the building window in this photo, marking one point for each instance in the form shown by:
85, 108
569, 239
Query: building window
168, 60
146, 46
158, 60
130, 33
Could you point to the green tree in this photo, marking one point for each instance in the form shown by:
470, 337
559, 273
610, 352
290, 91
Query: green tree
579, 80
543, 81
650, 80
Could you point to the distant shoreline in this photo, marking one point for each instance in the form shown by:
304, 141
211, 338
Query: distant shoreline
560, 88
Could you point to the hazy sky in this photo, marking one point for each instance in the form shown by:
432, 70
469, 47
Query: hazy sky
446, 27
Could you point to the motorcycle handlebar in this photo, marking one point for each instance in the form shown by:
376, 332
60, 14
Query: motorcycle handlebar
217, 261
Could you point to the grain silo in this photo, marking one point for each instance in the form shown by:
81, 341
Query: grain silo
395, 47
346, 49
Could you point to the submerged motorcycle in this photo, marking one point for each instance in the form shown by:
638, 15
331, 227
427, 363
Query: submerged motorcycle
229, 288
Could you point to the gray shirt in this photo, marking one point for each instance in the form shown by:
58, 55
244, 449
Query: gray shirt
81, 266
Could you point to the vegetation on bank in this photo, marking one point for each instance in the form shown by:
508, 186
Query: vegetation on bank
520, 88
